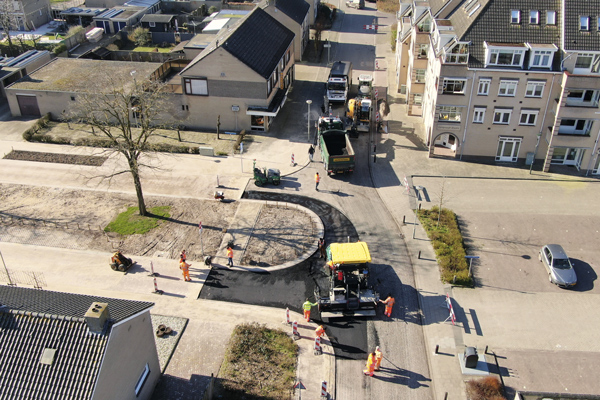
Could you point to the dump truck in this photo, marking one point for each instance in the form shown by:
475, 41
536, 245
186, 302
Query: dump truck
336, 150
360, 109
351, 290
339, 82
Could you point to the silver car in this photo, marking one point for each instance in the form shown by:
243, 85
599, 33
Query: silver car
560, 269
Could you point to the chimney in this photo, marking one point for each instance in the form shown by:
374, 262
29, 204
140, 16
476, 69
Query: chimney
96, 317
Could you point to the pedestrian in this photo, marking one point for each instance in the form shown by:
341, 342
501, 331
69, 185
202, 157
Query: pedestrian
185, 268
370, 367
306, 307
378, 357
229, 256
322, 248
311, 152
320, 331
389, 304
182, 256
317, 180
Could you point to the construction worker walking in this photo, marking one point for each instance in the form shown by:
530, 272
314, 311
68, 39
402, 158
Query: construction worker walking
389, 304
370, 367
378, 358
317, 180
183, 256
306, 307
185, 268
230, 256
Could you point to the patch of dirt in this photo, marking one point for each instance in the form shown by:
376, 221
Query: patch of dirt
94, 161
76, 218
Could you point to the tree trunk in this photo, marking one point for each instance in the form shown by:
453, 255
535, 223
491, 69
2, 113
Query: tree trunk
133, 168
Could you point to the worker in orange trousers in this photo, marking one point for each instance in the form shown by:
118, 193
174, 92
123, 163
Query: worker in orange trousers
185, 268
320, 331
389, 304
306, 307
230, 256
378, 358
370, 367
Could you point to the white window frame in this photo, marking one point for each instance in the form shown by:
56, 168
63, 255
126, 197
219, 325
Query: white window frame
550, 17
494, 54
584, 23
451, 112
499, 116
574, 100
593, 66
534, 17
143, 377
541, 58
478, 115
152, 24
533, 87
515, 16
418, 96
424, 74
196, 86
528, 114
451, 82
508, 88
483, 88
587, 127
423, 50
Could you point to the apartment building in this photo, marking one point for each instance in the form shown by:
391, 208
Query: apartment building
508, 81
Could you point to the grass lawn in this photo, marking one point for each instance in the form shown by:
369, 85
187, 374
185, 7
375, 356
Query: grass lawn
448, 244
388, 6
152, 49
130, 222
260, 363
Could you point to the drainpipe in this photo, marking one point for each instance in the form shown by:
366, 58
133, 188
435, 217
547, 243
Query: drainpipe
467, 119
543, 124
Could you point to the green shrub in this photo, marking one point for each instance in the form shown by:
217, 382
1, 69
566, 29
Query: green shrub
394, 35
212, 9
140, 36
74, 30
59, 48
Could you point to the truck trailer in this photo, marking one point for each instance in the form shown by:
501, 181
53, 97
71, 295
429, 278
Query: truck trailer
336, 150
351, 290
339, 82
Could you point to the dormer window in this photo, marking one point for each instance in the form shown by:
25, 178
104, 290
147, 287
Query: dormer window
534, 17
541, 55
550, 17
515, 17
504, 55
458, 54
584, 23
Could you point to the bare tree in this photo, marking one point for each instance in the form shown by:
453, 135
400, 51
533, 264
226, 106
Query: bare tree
127, 112
8, 20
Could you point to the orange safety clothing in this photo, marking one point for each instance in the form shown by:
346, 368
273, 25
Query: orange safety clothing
306, 307
370, 367
185, 268
320, 331
389, 304
378, 358
317, 178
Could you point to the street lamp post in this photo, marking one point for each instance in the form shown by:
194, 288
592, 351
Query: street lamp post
417, 188
309, 102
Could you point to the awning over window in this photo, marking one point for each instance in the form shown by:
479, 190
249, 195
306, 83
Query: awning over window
271, 111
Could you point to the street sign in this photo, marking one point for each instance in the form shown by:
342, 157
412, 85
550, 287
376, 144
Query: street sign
327, 45
200, 226
299, 385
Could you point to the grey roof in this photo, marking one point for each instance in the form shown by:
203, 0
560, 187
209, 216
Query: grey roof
161, 18
574, 38
258, 40
66, 304
295, 9
491, 23
34, 322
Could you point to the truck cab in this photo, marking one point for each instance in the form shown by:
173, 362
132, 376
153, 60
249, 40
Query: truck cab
339, 82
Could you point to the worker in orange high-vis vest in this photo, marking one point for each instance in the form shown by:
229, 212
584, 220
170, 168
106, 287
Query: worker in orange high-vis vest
378, 358
320, 331
185, 268
389, 304
317, 180
370, 368
306, 307
230, 256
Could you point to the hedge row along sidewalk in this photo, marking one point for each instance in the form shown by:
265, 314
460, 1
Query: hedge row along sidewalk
444, 233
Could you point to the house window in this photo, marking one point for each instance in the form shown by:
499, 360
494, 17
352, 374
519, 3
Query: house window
271, 82
420, 75
528, 117
288, 55
142, 380
458, 54
534, 17
541, 59
449, 114
423, 48
506, 57
424, 26
584, 23
152, 24
550, 17
508, 88
478, 115
454, 86
515, 16
583, 98
484, 87
418, 99
535, 89
502, 116
575, 127
196, 86
587, 63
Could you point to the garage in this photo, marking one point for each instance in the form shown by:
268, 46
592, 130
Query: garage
28, 106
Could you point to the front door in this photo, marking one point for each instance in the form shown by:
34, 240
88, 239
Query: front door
28, 106
508, 149
568, 156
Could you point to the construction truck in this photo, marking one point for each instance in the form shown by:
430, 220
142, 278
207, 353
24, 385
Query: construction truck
351, 289
360, 109
339, 82
336, 150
